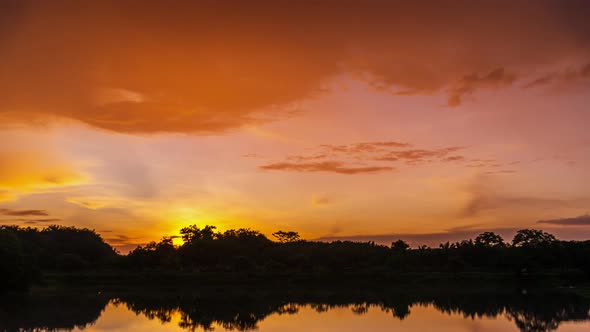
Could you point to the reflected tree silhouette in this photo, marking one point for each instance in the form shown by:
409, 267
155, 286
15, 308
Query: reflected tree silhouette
51, 312
243, 309
321, 275
542, 312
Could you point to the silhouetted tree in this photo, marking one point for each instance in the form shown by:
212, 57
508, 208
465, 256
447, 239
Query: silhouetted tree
286, 237
194, 233
13, 271
62, 248
399, 246
155, 255
68, 249
489, 239
532, 238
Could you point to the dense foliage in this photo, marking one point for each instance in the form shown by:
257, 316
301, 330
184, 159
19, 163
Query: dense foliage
241, 250
27, 253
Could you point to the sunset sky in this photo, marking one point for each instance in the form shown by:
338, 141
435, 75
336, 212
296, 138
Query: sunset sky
365, 120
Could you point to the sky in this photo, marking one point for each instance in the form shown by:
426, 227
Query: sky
430, 121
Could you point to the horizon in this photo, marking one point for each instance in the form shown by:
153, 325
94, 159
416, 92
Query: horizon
414, 241
369, 121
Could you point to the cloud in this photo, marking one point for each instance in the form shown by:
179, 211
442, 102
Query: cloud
23, 213
485, 202
421, 155
490, 163
321, 200
503, 171
565, 77
119, 239
26, 172
103, 201
92, 203
544, 80
124, 243
488, 193
37, 221
583, 220
324, 166
469, 84
364, 147
430, 239
453, 235
31, 221
210, 67
354, 158
26, 216
454, 158
251, 155
306, 158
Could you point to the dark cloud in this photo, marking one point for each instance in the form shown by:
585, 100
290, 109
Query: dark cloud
23, 213
346, 158
485, 202
48, 220
211, 66
544, 80
364, 147
29, 221
430, 239
454, 235
324, 166
563, 78
252, 155
493, 164
469, 84
583, 220
503, 171
119, 239
421, 155
321, 200
40, 221
487, 195
454, 158
306, 158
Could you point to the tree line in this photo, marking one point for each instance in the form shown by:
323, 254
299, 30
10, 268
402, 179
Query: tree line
27, 253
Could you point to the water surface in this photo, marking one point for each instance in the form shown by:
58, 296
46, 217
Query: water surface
118, 317
297, 310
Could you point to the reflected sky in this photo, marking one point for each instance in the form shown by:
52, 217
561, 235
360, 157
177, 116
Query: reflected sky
118, 317
311, 308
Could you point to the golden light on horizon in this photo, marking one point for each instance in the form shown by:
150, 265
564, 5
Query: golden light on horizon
376, 119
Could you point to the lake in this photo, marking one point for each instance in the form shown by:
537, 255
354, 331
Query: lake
299, 309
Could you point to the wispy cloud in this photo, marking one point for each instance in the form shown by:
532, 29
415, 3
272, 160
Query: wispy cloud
431, 239
29, 221
421, 155
34, 171
469, 84
321, 200
324, 166
487, 194
23, 213
565, 77
456, 234
42, 221
583, 220
366, 157
364, 147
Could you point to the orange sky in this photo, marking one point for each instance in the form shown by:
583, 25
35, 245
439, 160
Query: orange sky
427, 120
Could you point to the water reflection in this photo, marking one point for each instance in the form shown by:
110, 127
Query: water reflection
245, 309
